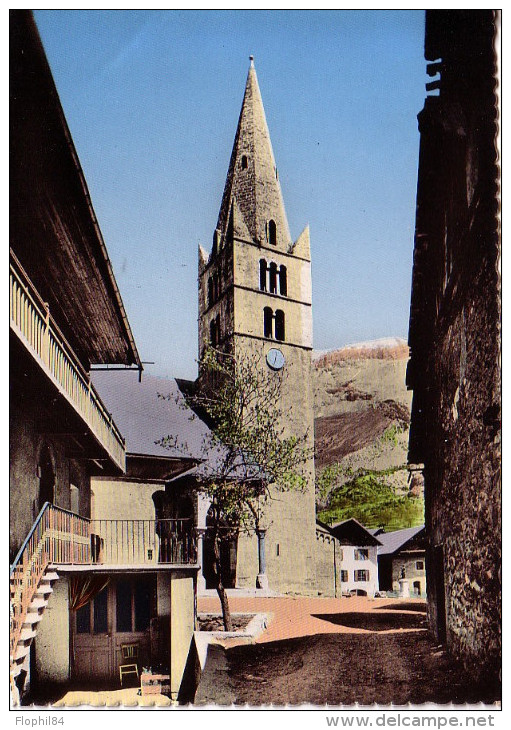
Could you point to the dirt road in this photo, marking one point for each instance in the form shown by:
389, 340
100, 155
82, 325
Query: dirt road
339, 653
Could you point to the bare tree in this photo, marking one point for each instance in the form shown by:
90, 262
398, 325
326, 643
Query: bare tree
248, 455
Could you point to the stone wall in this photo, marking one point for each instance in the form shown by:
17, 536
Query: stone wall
327, 566
463, 486
454, 338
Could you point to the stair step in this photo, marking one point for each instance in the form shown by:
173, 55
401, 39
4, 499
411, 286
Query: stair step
50, 575
31, 618
21, 653
37, 603
27, 634
43, 589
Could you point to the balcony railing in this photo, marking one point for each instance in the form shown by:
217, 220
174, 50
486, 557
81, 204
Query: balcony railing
31, 320
143, 542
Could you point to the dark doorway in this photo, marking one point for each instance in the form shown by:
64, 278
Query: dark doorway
174, 515
385, 573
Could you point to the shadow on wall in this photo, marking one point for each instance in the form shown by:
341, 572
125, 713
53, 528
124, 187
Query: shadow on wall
374, 621
191, 676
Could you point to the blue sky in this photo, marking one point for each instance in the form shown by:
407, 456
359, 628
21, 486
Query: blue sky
152, 99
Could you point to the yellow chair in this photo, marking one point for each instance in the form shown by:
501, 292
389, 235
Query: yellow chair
129, 658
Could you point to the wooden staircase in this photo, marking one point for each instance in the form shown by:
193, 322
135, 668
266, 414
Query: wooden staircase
34, 614
56, 537
20, 658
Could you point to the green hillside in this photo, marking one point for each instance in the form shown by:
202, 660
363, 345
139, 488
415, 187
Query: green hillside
371, 499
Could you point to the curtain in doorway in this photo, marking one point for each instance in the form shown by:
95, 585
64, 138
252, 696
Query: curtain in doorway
83, 588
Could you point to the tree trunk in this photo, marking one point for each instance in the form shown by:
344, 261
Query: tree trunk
224, 601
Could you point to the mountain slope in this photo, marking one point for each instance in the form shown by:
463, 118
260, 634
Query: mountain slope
362, 414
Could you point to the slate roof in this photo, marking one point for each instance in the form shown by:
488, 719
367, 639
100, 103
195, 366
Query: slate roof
392, 542
351, 532
143, 417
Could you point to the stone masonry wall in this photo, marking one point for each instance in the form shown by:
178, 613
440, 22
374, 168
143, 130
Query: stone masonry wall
454, 337
463, 482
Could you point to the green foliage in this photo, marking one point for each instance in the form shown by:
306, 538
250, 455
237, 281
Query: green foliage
391, 433
372, 501
327, 478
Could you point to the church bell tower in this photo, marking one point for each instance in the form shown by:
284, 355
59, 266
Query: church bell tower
255, 295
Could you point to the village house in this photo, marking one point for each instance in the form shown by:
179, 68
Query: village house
87, 595
454, 337
355, 557
161, 481
402, 555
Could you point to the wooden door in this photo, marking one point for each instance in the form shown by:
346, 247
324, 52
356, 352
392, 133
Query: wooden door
92, 639
120, 614
134, 599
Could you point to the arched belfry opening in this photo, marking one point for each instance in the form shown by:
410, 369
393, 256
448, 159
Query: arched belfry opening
283, 281
280, 326
268, 322
262, 274
272, 232
273, 278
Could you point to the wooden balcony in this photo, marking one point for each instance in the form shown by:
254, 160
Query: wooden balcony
32, 322
143, 542
63, 540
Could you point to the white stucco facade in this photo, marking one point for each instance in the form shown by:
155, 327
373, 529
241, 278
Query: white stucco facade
358, 569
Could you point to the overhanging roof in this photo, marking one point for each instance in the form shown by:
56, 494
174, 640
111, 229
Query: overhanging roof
144, 418
53, 228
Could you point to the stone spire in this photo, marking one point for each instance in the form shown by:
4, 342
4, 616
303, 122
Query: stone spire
252, 179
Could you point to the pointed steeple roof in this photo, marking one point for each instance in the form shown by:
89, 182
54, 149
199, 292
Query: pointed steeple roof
252, 179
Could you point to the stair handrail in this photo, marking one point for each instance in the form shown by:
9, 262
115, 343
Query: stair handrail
34, 565
16, 560
24, 589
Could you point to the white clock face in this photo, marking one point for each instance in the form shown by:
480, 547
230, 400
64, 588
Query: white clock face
275, 359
